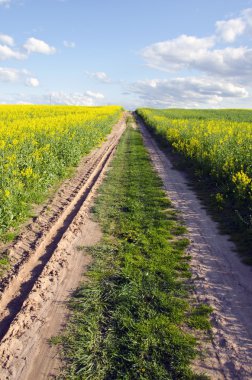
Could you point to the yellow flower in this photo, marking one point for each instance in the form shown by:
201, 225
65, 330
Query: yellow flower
7, 193
241, 179
27, 172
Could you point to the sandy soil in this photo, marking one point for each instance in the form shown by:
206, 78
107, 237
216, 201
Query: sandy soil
47, 267
44, 362
220, 278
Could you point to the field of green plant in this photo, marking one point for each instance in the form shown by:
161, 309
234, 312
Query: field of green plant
37, 146
218, 143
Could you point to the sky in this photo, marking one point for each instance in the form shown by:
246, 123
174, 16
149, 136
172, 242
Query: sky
135, 53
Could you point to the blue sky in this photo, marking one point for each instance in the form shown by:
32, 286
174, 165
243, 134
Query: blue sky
162, 53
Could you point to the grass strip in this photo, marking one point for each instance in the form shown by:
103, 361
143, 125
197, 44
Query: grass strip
132, 319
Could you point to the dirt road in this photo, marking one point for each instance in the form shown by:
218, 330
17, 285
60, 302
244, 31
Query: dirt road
220, 278
46, 267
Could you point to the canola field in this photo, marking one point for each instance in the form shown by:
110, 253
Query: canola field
37, 146
218, 143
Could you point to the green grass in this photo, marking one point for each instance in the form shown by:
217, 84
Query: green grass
132, 319
199, 318
4, 264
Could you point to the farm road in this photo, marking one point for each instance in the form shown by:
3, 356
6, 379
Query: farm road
28, 321
220, 278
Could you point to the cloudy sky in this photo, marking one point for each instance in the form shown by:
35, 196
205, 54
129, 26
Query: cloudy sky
156, 53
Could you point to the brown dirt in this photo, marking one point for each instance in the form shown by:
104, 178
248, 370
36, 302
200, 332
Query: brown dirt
47, 266
220, 278
44, 361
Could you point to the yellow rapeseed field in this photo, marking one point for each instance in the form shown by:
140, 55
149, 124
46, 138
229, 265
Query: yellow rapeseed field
37, 145
218, 143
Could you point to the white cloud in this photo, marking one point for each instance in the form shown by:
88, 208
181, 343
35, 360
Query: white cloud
178, 53
192, 53
224, 74
22, 103
235, 63
33, 45
96, 95
7, 52
11, 75
186, 92
33, 82
229, 30
246, 15
100, 76
87, 98
7, 40
5, 3
69, 44
203, 54
55, 97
